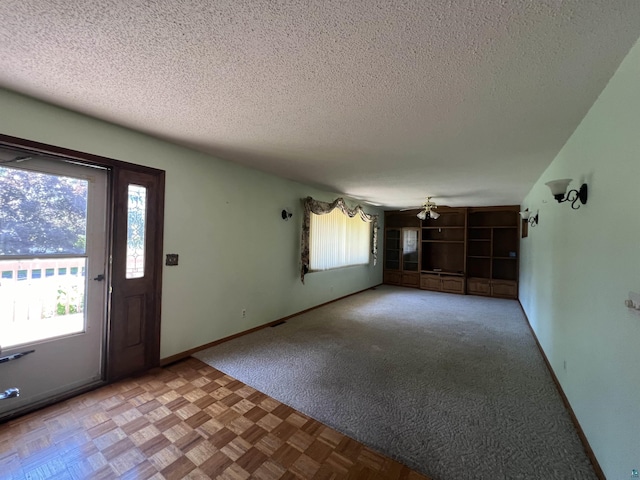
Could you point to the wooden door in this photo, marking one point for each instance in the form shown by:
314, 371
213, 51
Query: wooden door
134, 340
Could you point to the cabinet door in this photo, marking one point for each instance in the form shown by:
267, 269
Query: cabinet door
410, 256
392, 277
410, 279
430, 282
392, 249
478, 286
504, 288
453, 284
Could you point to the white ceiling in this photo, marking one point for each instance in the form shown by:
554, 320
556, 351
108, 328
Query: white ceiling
387, 101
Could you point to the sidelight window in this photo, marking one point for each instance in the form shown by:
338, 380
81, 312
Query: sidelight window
136, 226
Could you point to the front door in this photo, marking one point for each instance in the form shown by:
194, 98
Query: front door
134, 327
53, 233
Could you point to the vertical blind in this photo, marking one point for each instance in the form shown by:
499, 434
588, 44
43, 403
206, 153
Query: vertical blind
336, 240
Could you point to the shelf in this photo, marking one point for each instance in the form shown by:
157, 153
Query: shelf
454, 274
480, 227
479, 239
478, 256
443, 241
445, 227
505, 258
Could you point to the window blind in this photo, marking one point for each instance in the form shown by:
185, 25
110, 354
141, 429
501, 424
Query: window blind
336, 240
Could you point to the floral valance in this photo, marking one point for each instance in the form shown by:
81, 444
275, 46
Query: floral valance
322, 208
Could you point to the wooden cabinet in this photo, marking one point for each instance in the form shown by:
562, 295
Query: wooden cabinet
392, 277
401, 250
493, 251
392, 254
504, 288
442, 282
443, 251
472, 250
430, 282
478, 286
452, 284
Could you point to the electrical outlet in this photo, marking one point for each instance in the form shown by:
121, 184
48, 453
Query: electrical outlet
634, 473
244, 313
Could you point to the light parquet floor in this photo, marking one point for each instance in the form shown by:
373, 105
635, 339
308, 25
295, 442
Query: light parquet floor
188, 420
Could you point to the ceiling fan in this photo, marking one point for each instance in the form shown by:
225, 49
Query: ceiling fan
428, 210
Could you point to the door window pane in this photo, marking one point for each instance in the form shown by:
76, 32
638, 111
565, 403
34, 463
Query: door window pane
34, 307
136, 226
41, 213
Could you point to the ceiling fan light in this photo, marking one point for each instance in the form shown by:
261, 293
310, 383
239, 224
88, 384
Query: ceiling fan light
422, 215
434, 214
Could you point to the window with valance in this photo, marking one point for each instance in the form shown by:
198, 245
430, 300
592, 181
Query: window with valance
334, 236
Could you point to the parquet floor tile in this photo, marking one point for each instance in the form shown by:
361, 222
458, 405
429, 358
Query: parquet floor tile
186, 421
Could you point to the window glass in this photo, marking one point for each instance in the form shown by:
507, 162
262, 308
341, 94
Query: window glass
136, 226
41, 307
56, 209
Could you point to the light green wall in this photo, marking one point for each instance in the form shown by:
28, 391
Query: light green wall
222, 219
578, 267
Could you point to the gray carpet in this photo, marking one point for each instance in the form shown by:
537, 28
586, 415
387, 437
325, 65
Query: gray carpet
451, 385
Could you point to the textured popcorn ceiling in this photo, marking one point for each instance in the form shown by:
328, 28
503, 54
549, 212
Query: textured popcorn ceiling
388, 101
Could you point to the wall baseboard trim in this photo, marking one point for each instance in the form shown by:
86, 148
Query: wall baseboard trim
182, 355
565, 400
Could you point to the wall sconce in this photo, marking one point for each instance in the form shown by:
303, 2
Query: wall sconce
286, 215
559, 191
527, 217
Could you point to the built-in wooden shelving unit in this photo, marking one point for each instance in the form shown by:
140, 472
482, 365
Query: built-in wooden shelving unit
471, 250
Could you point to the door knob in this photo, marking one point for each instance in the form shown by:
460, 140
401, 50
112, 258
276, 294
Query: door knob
10, 393
99, 278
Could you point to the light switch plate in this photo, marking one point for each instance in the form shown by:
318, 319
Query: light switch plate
172, 259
